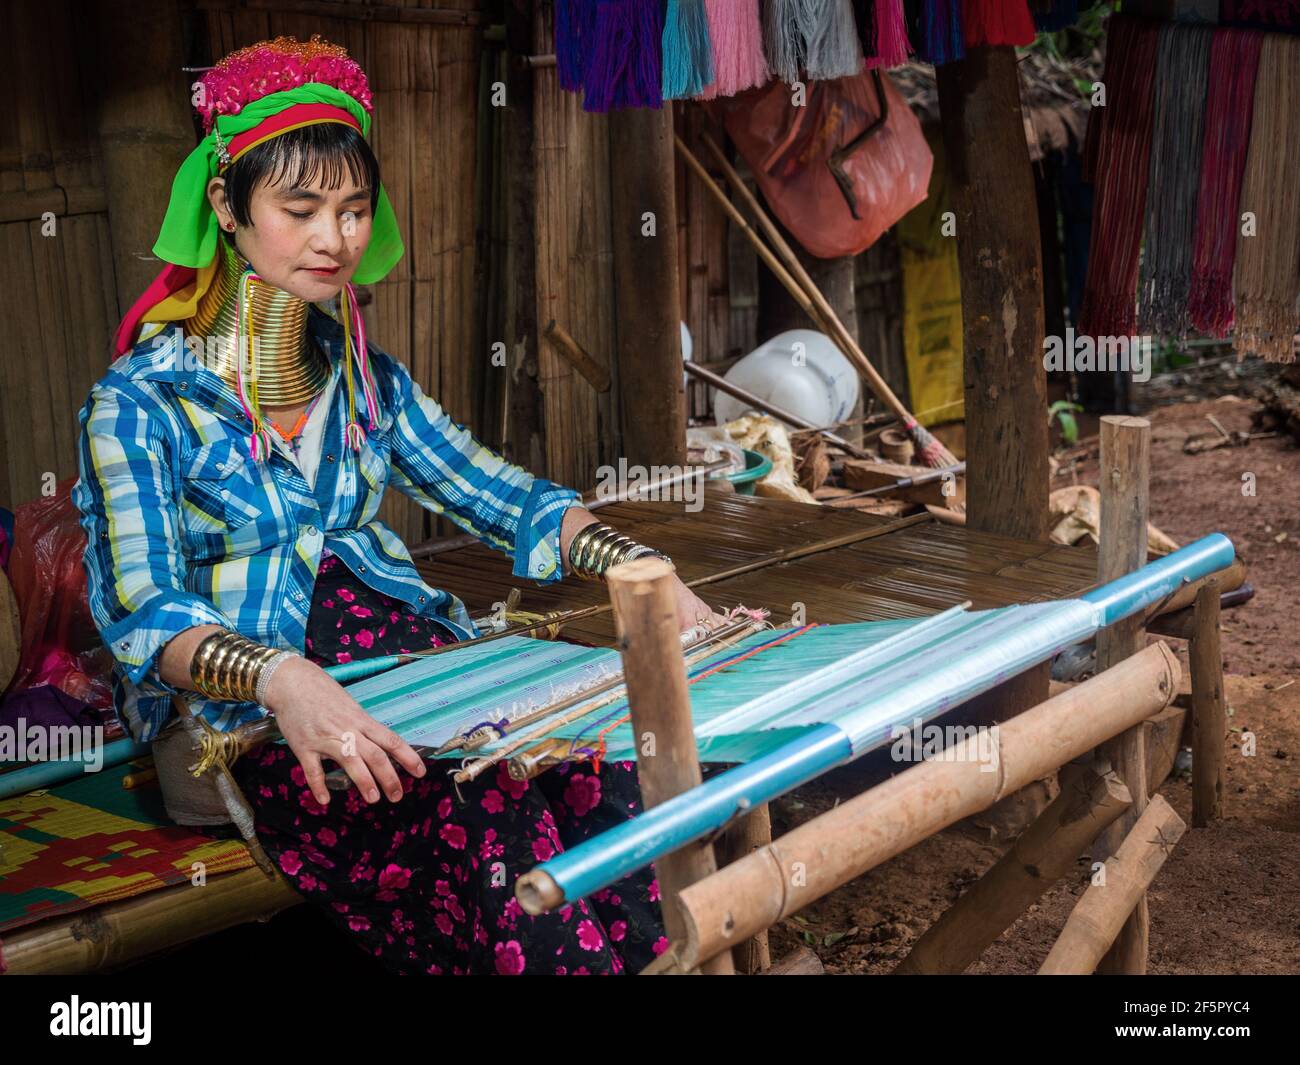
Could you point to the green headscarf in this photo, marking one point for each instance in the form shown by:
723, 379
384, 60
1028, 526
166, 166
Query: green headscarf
189, 230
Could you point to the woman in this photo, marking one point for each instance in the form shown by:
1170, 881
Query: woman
232, 463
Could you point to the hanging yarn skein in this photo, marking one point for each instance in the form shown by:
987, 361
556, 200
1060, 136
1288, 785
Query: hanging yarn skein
891, 44
987, 22
785, 36
1173, 182
833, 48
575, 22
736, 36
940, 38
624, 65
1234, 60
1267, 276
1120, 178
687, 54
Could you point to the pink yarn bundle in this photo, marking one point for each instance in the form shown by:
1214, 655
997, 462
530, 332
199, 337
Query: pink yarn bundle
736, 35
892, 45
247, 75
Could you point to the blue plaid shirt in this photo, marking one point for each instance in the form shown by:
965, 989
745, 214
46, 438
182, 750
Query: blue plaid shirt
183, 528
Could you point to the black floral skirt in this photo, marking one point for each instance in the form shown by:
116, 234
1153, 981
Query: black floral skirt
426, 884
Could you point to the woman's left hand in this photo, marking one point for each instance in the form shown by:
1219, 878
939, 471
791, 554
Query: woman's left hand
691, 609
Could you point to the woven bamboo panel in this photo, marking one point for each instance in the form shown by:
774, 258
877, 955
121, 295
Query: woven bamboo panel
912, 572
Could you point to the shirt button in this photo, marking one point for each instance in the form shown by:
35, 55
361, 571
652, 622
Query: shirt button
362, 568
421, 599
311, 530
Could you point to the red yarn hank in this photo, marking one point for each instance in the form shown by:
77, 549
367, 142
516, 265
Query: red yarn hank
1234, 61
997, 22
1122, 160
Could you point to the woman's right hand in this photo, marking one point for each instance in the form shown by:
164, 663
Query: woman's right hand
319, 719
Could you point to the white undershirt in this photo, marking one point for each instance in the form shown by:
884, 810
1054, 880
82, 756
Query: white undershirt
311, 442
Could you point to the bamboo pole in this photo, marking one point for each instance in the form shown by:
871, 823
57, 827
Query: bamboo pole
1209, 713
1091, 797
747, 835
820, 855
577, 356
1125, 475
1104, 910
660, 706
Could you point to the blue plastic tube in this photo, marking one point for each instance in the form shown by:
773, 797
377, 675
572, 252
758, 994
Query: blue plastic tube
602, 860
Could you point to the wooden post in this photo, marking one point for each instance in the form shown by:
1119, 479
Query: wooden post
1000, 257
1125, 475
1103, 911
1091, 798
747, 835
804, 864
1209, 713
145, 129
660, 706
644, 219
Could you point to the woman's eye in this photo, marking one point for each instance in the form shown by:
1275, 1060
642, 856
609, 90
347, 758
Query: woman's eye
301, 214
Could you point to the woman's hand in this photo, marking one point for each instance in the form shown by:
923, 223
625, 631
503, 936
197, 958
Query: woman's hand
319, 719
691, 609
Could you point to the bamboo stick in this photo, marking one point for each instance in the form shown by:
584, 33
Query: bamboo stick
577, 356
811, 299
1209, 713
1103, 911
1091, 797
820, 855
1125, 475
660, 705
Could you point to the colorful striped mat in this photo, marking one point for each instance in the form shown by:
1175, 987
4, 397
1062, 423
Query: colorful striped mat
91, 841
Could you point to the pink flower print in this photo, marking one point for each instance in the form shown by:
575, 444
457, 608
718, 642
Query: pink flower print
434, 970
298, 777
510, 958
308, 802
454, 835
617, 931
589, 937
581, 970
290, 863
264, 791
394, 877
327, 603
341, 907
454, 908
342, 657
393, 616
443, 888
366, 638
583, 793
543, 849
653, 893
307, 882
660, 945
493, 801
514, 788
345, 639
361, 871
358, 923
358, 611
512, 909
326, 837
443, 923
444, 807
347, 595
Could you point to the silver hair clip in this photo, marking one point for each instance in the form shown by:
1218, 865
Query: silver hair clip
223, 152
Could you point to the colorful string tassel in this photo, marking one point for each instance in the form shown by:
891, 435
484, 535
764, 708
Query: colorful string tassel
736, 35
624, 66
687, 53
891, 44
785, 35
940, 38
575, 22
988, 22
833, 48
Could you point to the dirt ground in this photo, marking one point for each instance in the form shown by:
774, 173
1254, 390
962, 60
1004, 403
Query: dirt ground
1228, 898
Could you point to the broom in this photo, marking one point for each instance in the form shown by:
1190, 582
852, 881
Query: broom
791, 274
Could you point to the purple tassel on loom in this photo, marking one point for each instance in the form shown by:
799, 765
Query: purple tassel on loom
941, 34
624, 65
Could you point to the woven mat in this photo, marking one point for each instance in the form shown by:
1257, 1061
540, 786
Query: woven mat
91, 841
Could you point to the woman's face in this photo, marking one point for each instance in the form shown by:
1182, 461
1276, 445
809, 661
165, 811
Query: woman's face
306, 240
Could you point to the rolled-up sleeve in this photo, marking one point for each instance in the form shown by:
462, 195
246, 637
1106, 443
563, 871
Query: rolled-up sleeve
440, 464
134, 568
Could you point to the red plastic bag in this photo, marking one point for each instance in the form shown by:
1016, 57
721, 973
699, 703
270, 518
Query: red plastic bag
835, 196
60, 643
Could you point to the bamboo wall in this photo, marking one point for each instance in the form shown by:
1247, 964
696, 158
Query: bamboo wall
56, 291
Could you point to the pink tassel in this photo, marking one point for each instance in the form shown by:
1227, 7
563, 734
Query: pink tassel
892, 45
736, 34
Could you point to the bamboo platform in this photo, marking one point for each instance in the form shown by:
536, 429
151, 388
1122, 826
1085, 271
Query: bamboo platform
909, 572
